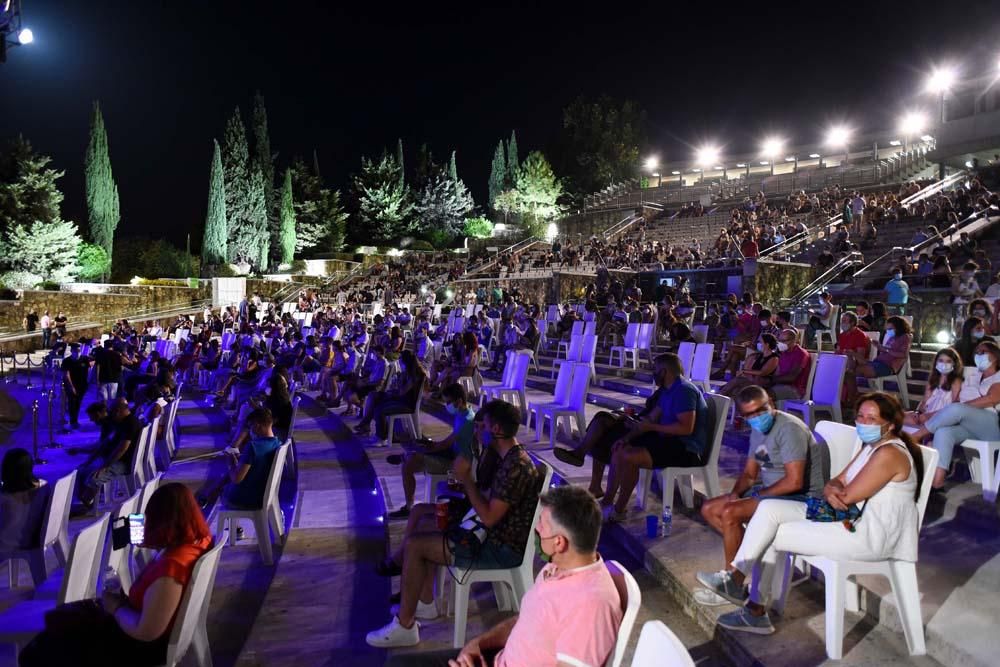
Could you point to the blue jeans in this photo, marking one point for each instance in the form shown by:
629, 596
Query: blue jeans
958, 422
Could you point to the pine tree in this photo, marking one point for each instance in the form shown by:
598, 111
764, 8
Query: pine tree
287, 221
236, 176
452, 168
265, 160
213, 245
443, 205
498, 173
538, 191
384, 203
103, 212
512, 163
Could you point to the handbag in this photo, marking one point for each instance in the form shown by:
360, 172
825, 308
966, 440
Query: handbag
821, 511
78, 616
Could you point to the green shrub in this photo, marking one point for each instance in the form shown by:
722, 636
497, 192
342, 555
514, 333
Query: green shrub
479, 228
420, 245
440, 239
50, 286
93, 263
19, 280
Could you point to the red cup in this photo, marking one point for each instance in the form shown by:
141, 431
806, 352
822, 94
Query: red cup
441, 513
630, 410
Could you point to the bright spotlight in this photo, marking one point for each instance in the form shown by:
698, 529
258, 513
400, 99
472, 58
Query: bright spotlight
913, 123
448, 294
707, 155
26, 36
551, 232
943, 337
652, 162
941, 79
926, 137
814, 155
838, 136
676, 173
772, 147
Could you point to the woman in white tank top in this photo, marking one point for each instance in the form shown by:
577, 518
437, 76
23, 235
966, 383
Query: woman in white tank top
975, 417
882, 480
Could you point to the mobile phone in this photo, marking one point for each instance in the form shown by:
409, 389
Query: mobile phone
137, 528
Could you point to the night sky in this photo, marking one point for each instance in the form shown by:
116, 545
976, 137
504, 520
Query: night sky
348, 81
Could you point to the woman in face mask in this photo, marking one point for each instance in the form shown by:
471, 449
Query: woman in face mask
882, 480
974, 418
758, 368
973, 333
943, 387
893, 352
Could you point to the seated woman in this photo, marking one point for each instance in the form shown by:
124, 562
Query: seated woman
973, 333
23, 500
884, 478
975, 417
757, 369
402, 397
465, 365
944, 386
132, 629
893, 352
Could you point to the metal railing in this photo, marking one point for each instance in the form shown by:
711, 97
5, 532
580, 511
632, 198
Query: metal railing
820, 282
523, 244
621, 226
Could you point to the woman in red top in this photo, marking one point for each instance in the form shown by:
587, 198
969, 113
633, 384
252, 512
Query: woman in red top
134, 629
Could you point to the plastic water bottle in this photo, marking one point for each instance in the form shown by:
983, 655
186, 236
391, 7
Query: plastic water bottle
668, 518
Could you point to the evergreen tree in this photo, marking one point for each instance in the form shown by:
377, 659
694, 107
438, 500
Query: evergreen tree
425, 167
265, 160
453, 168
316, 170
213, 245
36, 240
538, 191
287, 221
399, 163
498, 174
384, 203
258, 237
320, 219
443, 205
241, 194
103, 212
512, 163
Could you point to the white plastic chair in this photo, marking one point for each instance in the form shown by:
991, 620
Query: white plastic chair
21, 622
270, 511
54, 534
572, 354
842, 441
508, 368
589, 325
135, 477
631, 600
686, 353
645, 342
629, 345
701, 365
569, 400
411, 419
700, 333
831, 323
118, 559
149, 462
170, 430
515, 391
984, 467
190, 629
902, 577
659, 647
878, 384
577, 330
718, 410
826, 388
519, 579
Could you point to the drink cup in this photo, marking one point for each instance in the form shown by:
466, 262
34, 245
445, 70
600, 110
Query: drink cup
652, 527
441, 513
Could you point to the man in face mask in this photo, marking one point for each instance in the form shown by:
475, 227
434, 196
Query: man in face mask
784, 461
793, 367
897, 291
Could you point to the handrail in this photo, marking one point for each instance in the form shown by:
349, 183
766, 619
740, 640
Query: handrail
486, 263
825, 278
620, 226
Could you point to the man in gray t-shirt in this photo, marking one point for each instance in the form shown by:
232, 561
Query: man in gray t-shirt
784, 461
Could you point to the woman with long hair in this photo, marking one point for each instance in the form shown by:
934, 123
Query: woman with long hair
132, 629
22, 501
944, 385
879, 488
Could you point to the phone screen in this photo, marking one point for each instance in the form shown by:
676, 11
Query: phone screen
136, 528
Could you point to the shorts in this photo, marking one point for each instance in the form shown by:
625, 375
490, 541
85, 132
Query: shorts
666, 451
492, 556
882, 369
438, 464
756, 488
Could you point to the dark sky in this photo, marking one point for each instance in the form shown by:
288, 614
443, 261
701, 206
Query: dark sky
348, 81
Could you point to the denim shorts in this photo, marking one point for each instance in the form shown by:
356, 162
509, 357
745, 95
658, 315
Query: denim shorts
882, 369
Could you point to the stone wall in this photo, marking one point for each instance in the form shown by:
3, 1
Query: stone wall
771, 282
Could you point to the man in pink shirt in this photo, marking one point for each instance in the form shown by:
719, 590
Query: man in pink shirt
569, 617
792, 375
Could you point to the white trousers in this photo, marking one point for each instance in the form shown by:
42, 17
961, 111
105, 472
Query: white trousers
781, 526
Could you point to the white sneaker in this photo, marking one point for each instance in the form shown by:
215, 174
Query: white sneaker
394, 635
426, 611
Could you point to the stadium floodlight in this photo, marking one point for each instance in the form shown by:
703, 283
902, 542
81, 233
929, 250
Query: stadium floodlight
675, 173
913, 123
707, 155
652, 163
771, 149
838, 136
941, 79
814, 155
25, 36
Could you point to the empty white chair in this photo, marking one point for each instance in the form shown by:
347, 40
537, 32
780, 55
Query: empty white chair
486, 390
515, 391
149, 461
631, 599
832, 324
902, 577
411, 419
644, 344
589, 325
577, 330
269, 513
659, 647
878, 384
701, 365
54, 534
572, 354
700, 333
118, 559
519, 578
718, 410
826, 388
21, 622
190, 629
629, 345
981, 455
686, 353
170, 429
572, 407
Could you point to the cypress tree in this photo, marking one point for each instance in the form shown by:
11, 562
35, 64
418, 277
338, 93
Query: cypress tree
258, 237
316, 165
213, 245
498, 174
512, 163
103, 212
453, 168
236, 175
264, 159
399, 163
287, 235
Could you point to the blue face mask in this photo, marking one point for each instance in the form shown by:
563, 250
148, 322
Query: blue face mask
452, 410
761, 423
869, 433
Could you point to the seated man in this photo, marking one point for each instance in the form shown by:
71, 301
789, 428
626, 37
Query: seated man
572, 613
244, 484
506, 512
114, 453
676, 434
784, 460
792, 376
436, 458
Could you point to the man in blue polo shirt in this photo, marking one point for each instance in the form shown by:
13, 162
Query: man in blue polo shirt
674, 434
248, 474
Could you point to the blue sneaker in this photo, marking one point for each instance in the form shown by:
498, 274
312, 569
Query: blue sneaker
721, 583
742, 620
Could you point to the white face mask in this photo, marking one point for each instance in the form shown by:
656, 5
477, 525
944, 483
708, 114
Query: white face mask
944, 367
983, 362
782, 346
